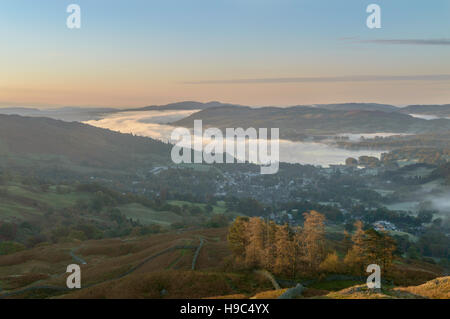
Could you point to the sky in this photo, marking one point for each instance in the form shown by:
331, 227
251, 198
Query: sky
254, 52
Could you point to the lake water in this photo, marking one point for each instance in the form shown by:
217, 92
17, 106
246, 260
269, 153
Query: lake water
154, 124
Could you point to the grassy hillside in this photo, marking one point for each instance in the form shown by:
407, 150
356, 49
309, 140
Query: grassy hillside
135, 267
32, 212
438, 288
160, 266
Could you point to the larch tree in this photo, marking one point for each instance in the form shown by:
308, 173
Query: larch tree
313, 238
270, 249
355, 258
347, 242
388, 247
372, 247
238, 238
283, 249
256, 243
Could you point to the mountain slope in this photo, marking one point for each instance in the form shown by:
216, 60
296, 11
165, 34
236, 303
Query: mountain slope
77, 143
68, 113
300, 120
359, 107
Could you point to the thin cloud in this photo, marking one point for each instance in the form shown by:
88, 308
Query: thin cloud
401, 41
351, 78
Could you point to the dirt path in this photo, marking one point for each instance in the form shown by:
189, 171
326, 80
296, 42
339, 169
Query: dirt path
78, 259
197, 252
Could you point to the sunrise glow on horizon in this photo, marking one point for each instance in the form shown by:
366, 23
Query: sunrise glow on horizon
270, 52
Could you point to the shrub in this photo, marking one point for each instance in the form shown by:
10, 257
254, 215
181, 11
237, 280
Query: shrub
331, 264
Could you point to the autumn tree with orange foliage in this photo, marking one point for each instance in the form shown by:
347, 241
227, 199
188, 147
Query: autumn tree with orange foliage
313, 239
256, 243
254, 251
238, 238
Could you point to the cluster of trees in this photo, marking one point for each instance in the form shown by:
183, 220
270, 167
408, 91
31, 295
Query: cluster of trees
283, 250
434, 242
331, 213
304, 251
406, 221
368, 161
422, 154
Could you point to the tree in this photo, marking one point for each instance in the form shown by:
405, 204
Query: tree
347, 241
372, 247
217, 221
238, 238
255, 247
388, 247
283, 250
379, 248
358, 238
351, 161
425, 217
413, 252
298, 251
270, 250
331, 264
356, 255
313, 238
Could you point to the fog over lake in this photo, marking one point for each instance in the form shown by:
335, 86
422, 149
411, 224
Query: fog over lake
428, 117
154, 124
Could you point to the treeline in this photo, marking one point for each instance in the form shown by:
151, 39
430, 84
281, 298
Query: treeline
304, 251
331, 213
422, 154
402, 219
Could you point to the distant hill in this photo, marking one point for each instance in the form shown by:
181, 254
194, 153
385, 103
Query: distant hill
299, 121
359, 107
192, 105
186, 105
75, 143
67, 113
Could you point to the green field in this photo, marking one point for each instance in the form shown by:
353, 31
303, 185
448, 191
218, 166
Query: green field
148, 216
219, 208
